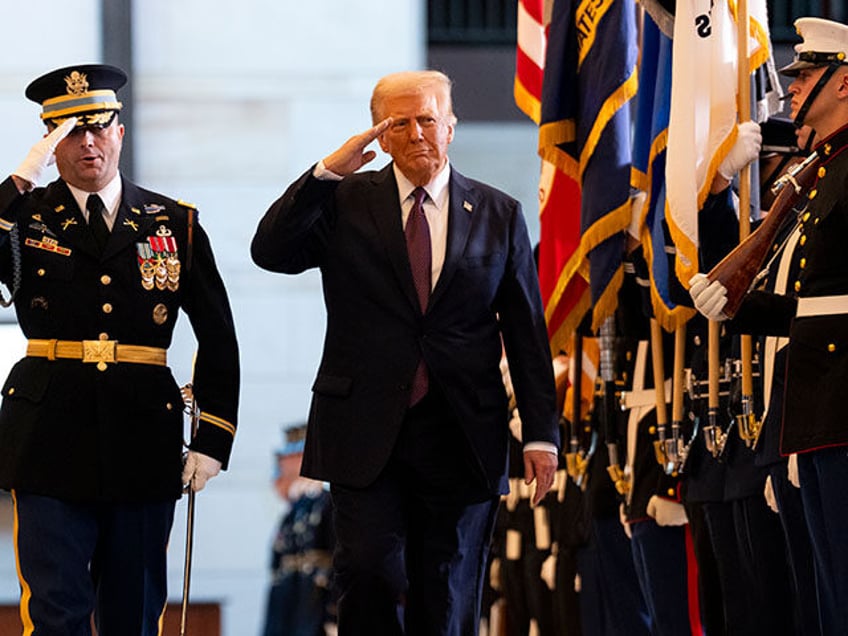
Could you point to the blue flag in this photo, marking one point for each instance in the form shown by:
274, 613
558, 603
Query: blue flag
590, 76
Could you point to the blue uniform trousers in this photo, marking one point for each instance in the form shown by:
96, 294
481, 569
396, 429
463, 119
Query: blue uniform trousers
823, 476
659, 554
611, 602
75, 559
799, 551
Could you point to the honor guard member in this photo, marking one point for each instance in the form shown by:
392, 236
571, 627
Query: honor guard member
300, 602
91, 424
652, 512
812, 311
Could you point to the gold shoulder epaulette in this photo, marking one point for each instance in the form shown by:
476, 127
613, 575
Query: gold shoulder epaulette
186, 204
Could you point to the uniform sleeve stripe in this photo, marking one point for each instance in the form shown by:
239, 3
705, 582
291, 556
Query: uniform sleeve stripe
219, 422
6, 226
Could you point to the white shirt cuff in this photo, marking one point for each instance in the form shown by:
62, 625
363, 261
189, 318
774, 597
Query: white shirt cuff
540, 446
323, 174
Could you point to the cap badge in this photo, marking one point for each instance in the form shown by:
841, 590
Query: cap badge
76, 83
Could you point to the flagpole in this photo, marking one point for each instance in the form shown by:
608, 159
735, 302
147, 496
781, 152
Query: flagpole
747, 419
657, 358
674, 447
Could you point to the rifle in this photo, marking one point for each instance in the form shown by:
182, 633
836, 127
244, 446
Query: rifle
740, 270
659, 389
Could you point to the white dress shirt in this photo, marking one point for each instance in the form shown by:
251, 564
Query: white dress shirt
110, 195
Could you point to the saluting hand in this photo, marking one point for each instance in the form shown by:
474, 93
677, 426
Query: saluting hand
352, 155
27, 175
541, 466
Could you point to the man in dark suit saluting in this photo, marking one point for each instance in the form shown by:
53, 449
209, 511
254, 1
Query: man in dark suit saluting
427, 275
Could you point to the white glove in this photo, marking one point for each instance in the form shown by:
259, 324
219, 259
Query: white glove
769, 495
548, 572
792, 470
749, 140
41, 154
666, 512
709, 297
198, 469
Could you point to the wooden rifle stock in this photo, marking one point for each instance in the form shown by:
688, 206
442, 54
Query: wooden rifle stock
739, 269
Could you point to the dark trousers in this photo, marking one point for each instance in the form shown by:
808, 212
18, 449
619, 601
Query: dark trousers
751, 553
799, 551
660, 557
611, 602
412, 547
75, 559
823, 475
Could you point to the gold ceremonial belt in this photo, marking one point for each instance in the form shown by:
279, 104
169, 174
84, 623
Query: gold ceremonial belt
99, 352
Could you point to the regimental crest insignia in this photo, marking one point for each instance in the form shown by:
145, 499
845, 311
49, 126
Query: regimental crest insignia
76, 83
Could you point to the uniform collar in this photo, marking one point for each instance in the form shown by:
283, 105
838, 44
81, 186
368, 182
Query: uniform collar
110, 195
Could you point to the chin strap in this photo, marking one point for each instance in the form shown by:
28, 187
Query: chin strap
802, 112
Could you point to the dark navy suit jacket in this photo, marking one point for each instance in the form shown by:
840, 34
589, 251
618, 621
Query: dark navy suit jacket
487, 292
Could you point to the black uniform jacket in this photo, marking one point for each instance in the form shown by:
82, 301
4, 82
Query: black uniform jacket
376, 334
70, 430
817, 357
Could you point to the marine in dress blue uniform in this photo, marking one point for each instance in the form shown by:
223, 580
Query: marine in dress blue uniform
91, 424
812, 313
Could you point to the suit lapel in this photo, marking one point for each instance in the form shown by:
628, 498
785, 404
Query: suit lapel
384, 207
461, 210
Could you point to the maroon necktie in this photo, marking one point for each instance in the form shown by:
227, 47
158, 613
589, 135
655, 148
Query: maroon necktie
417, 233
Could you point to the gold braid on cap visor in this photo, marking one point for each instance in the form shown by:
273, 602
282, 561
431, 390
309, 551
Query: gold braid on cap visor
92, 104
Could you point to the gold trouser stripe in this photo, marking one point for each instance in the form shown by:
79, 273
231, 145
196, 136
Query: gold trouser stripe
76, 350
26, 592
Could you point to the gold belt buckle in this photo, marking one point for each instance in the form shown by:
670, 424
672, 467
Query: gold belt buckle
99, 351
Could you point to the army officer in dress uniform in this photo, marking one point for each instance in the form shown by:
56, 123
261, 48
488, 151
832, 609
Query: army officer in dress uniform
91, 424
